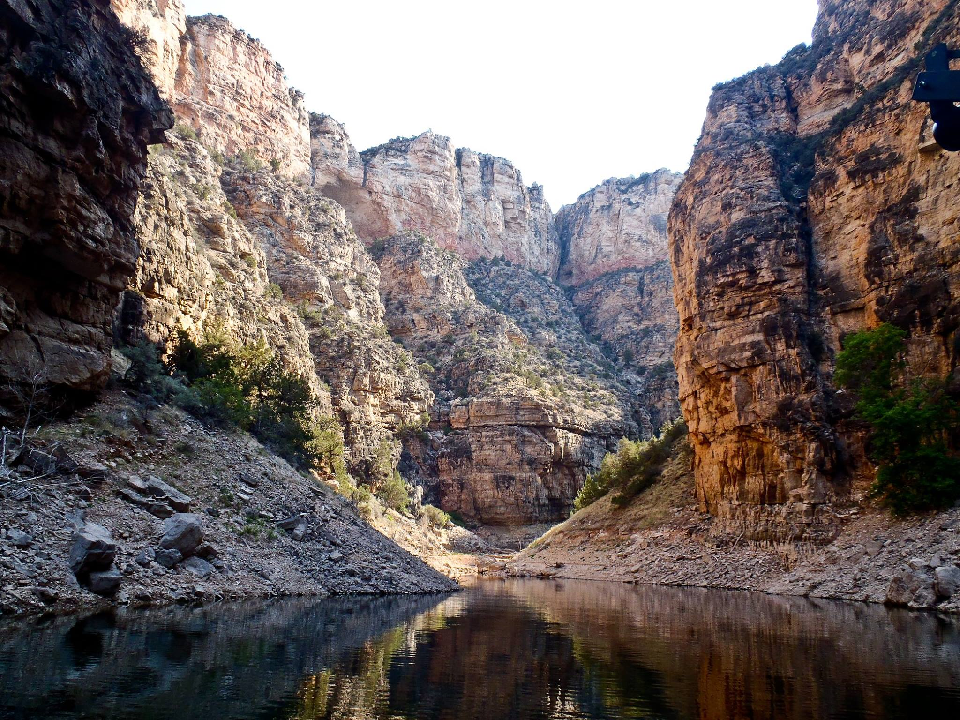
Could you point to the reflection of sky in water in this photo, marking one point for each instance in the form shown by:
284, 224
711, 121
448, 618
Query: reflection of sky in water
514, 649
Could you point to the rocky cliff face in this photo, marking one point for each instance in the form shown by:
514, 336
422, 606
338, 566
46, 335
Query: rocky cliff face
814, 206
472, 203
76, 114
615, 264
523, 411
235, 97
159, 25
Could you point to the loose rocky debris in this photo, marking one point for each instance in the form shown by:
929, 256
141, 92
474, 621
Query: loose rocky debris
661, 539
97, 511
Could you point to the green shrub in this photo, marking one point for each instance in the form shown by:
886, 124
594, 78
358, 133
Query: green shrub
632, 469
436, 517
913, 422
247, 386
393, 493
249, 161
185, 131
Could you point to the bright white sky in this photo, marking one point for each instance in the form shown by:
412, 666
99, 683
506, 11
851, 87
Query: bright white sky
571, 92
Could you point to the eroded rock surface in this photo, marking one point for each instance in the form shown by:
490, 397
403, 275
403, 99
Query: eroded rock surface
469, 202
76, 114
814, 206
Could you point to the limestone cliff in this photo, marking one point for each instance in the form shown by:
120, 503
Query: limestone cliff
614, 260
159, 25
814, 206
525, 407
472, 203
235, 97
76, 114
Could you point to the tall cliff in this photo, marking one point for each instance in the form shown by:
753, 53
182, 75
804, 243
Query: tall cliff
815, 205
474, 204
76, 114
615, 263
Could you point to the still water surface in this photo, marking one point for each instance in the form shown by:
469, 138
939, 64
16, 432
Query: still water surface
498, 651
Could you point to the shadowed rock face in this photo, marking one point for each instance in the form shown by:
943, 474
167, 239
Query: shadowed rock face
814, 206
76, 114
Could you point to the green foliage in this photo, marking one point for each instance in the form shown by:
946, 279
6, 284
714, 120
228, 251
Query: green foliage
249, 161
274, 292
633, 468
230, 209
185, 131
393, 493
230, 384
436, 517
913, 422
275, 164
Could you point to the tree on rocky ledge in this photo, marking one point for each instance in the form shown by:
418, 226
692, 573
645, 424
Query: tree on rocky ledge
913, 422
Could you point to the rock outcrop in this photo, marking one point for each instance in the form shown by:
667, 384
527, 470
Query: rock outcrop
474, 204
158, 25
232, 93
76, 114
522, 411
615, 261
814, 206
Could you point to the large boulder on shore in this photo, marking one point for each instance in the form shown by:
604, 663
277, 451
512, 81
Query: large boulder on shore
182, 532
93, 550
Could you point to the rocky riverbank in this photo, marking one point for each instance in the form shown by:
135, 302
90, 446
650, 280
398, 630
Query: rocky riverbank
662, 539
136, 506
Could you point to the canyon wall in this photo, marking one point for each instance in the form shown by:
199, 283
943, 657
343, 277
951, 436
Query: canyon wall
232, 93
815, 205
76, 115
474, 204
615, 262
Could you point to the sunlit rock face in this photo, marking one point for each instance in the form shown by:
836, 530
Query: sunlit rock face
615, 262
234, 95
159, 25
814, 207
474, 204
76, 114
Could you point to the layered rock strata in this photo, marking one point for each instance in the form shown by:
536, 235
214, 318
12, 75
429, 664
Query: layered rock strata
616, 265
469, 202
522, 412
159, 25
76, 114
232, 93
814, 207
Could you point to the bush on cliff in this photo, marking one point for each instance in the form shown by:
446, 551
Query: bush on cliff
246, 386
913, 422
633, 468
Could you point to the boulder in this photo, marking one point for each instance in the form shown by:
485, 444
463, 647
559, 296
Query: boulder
19, 539
198, 566
104, 582
182, 532
947, 581
168, 558
912, 588
145, 557
93, 550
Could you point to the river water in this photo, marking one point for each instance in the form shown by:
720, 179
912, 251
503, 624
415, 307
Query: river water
500, 650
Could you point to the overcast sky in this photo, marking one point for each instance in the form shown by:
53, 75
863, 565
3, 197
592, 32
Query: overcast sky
571, 92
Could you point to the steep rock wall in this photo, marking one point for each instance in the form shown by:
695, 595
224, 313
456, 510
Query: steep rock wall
76, 114
521, 412
159, 25
472, 203
234, 95
814, 206
614, 260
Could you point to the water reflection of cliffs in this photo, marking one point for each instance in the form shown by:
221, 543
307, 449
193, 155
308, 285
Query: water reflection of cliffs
221, 661
534, 649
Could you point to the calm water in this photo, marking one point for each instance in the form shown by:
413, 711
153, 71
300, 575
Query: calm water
501, 650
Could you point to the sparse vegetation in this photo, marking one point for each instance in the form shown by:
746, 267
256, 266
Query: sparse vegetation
913, 422
632, 469
246, 386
